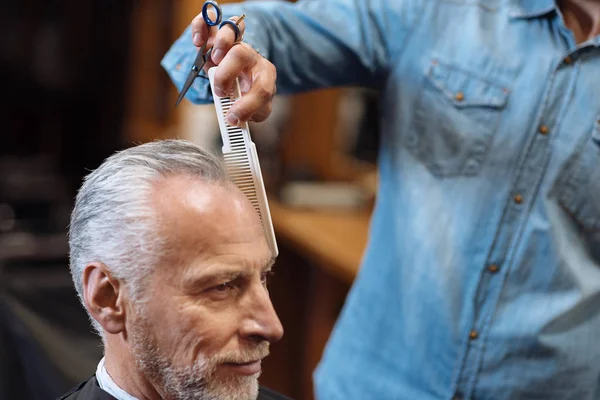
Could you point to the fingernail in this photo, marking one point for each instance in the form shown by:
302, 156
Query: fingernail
232, 119
216, 56
196, 39
220, 92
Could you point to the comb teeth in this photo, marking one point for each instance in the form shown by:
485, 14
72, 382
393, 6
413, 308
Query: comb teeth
237, 160
234, 133
240, 172
241, 161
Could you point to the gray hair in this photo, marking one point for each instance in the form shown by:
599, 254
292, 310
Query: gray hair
113, 221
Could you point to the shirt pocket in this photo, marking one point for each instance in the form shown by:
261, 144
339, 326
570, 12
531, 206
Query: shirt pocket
578, 186
457, 112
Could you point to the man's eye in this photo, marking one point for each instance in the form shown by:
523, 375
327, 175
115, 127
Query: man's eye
224, 287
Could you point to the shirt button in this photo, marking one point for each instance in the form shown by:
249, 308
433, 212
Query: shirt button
518, 199
543, 129
178, 67
493, 268
459, 96
473, 335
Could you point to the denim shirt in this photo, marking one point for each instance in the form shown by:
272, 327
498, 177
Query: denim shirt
481, 278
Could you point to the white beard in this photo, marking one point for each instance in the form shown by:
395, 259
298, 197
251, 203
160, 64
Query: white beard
195, 382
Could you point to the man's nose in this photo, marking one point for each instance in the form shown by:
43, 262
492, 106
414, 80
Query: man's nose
261, 322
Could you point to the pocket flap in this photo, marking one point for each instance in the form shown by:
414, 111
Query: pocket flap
464, 88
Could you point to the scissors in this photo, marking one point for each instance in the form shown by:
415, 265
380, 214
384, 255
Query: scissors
201, 58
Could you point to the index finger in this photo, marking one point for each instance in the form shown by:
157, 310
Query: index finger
225, 38
256, 103
200, 30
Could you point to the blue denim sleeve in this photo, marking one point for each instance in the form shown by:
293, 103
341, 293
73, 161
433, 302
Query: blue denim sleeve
313, 43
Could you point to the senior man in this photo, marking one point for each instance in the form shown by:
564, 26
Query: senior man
170, 261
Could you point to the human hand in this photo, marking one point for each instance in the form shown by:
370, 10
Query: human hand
236, 59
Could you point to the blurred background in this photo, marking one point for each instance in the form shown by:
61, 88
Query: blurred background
82, 79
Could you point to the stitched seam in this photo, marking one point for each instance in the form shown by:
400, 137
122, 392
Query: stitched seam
465, 347
520, 228
402, 47
494, 101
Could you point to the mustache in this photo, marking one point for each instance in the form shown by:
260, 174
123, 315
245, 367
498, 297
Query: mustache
244, 356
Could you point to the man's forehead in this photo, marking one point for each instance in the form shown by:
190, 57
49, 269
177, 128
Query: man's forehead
205, 218
187, 196
182, 188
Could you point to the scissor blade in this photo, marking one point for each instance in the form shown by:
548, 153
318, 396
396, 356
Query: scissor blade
196, 68
188, 83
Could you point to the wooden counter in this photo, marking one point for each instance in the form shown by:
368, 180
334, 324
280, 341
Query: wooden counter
334, 240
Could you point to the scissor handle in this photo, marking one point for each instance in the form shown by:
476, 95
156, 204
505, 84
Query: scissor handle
234, 25
217, 9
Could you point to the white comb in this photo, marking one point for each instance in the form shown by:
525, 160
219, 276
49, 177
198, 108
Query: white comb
241, 160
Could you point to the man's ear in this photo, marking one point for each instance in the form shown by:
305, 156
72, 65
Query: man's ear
103, 296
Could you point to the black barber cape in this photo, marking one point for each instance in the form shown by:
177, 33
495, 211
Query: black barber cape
89, 390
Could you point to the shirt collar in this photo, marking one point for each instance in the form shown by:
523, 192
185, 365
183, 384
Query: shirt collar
107, 384
531, 8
